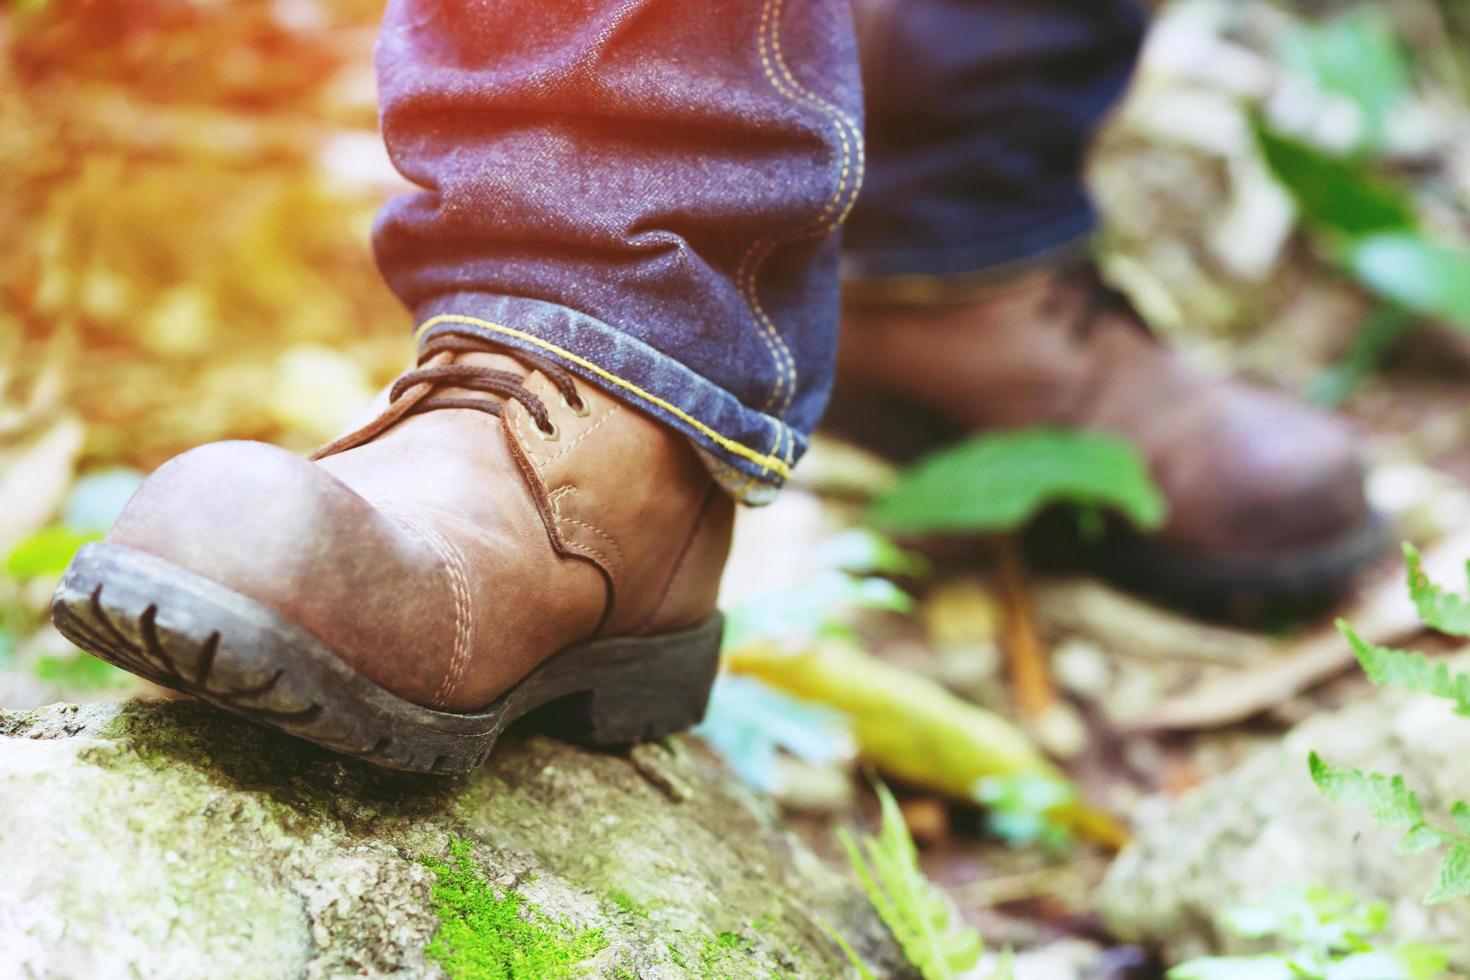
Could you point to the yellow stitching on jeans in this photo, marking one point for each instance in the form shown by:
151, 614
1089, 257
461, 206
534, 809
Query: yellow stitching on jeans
768, 462
763, 323
845, 126
739, 492
824, 106
770, 24
745, 275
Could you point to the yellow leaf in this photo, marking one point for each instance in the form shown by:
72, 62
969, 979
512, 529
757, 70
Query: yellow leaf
911, 728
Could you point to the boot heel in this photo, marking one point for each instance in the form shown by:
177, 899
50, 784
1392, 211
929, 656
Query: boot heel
642, 688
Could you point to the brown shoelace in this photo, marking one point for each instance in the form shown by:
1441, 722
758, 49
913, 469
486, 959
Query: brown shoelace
491, 381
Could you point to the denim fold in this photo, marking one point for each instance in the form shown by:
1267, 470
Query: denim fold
645, 190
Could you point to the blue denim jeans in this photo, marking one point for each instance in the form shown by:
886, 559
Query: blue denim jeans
649, 191
979, 116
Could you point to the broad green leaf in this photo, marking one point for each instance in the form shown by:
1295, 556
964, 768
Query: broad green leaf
1335, 195
1410, 670
1416, 273
997, 482
1454, 876
1387, 798
1440, 609
928, 929
47, 551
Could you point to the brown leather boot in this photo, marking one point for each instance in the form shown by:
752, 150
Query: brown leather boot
1265, 495
495, 538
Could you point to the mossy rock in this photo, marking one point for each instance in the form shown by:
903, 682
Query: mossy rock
171, 840
1264, 828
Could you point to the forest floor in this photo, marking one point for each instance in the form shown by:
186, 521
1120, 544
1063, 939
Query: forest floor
131, 342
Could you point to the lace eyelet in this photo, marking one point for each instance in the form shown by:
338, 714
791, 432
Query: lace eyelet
551, 436
581, 410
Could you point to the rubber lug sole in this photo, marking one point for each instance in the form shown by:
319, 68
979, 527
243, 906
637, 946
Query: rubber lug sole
1192, 578
189, 633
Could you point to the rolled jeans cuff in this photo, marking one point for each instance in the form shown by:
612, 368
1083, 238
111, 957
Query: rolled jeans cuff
749, 453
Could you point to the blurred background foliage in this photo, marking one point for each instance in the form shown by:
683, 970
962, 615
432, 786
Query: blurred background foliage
186, 212
187, 195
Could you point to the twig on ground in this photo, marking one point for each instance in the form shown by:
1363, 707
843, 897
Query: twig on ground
1026, 657
1125, 625
1384, 615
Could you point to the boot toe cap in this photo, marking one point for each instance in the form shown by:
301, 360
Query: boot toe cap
282, 531
1291, 481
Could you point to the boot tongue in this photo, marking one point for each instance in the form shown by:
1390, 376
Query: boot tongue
384, 414
486, 359
498, 360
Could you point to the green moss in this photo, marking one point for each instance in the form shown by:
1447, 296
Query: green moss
763, 925
721, 948
626, 902
485, 935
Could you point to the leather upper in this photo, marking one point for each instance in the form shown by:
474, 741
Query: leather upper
1245, 470
447, 554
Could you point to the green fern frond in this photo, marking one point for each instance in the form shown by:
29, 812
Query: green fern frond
1410, 670
921, 917
1445, 611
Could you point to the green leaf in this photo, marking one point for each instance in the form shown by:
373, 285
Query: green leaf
749, 724
1420, 839
1442, 610
1334, 195
998, 482
1024, 808
932, 935
864, 973
1410, 670
1356, 54
1268, 967
1454, 876
1374, 965
1387, 798
861, 551
817, 606
1416, 273
82, 672
47, 551
1371, 341
1422, 961
1460, 814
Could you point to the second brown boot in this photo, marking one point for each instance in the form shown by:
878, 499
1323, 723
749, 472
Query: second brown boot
1266, 496
497, 536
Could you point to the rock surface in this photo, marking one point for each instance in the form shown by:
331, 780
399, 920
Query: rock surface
170, 840
1263, 827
